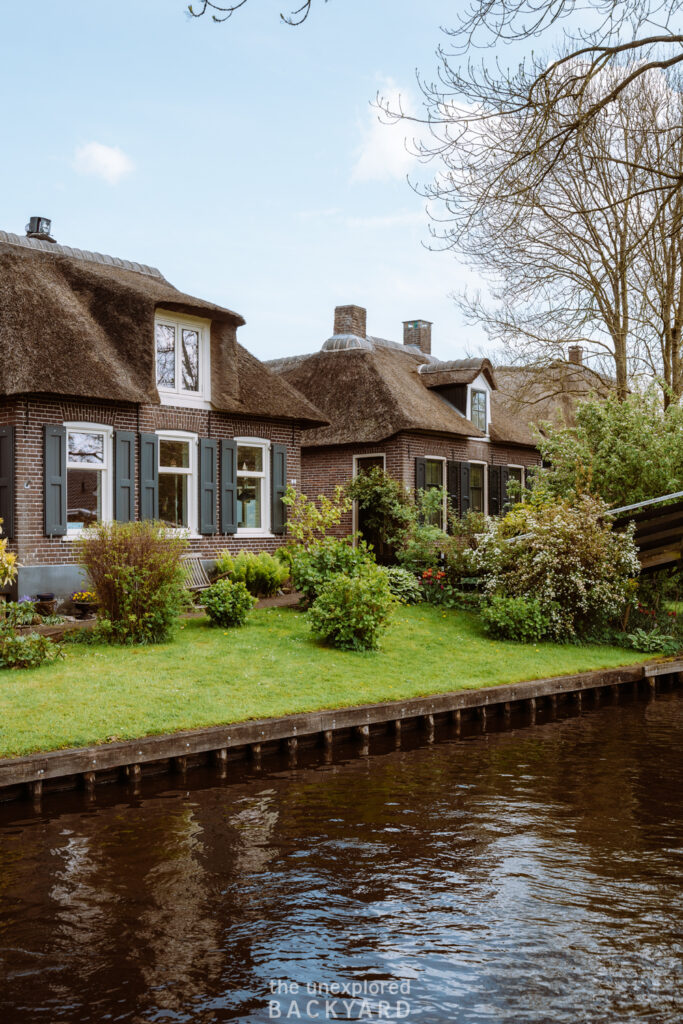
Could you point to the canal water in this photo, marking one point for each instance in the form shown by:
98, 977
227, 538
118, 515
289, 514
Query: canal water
529, 875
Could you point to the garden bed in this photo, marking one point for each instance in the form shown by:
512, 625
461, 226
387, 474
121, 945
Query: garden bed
268, 668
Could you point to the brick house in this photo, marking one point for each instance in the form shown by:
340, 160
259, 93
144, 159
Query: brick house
121, 397
462, 425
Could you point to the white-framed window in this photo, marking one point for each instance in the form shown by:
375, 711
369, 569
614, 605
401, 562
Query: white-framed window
435, 476
478, 410
478, 487
88, 475
178, 487
182, 359
253, 486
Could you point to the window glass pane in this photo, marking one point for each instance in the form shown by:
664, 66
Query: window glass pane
174, 454
515, 474
369, 462
477, 488
190, 360
433, 473
249, 501
249, 458
165, 339
173, 499
84, 497
86, 447
479, 409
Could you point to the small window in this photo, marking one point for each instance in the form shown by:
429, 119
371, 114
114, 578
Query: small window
176, 491
182, 358
87, 468
476, 487
364, 463
252, 496
434, 469
478, 415
516, 478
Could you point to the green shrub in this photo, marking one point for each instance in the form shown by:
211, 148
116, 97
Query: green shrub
403, 585
516, 618
228, 603
225, 564
351, 612
312, 567
136, 571
654, 641
20, 613
27, 651
262, 574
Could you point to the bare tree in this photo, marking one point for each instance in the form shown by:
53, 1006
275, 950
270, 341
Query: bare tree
560, 251
224, 11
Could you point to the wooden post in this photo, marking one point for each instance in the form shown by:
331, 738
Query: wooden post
532, 710
482, 717
457, 721
507, 710
363, 734
133, 772
328, 739
35, 791
615, 692
553, 705
88, 780
579, 699
220, 760
652, 685
428, 723
255, 751
292, 746
180, 764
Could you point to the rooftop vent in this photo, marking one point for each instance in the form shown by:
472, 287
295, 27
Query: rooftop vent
39, 227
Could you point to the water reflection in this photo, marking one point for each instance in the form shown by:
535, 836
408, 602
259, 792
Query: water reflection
529, 876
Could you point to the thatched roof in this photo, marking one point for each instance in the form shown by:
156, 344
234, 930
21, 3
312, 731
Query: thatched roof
529, 395
82, 324
457, 371
370, 393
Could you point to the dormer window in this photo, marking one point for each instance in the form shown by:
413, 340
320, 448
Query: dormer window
182, 359
478, 410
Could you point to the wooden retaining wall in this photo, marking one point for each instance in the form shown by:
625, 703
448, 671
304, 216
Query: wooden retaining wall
86, 766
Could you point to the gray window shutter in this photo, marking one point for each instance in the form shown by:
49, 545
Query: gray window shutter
208, 485
420, 474
124, 475
55, 480
496, 493
453, 486
504, 477
228, 487
149, 476
7, 437
464, 488
278, 486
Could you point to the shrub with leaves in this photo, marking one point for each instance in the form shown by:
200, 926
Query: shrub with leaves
312, 567
228, 603
137, 574
516, 618
20, 613
8, 563
309, 521
262, 574
403, 585
566, 556
26, 651
351, 612
386, 507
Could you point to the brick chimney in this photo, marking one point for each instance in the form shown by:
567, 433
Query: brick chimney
418, 333
350, 320
575, 353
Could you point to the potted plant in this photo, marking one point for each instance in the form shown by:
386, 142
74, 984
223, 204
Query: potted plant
85, 602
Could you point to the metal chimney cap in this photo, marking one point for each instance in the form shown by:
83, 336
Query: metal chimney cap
40, 227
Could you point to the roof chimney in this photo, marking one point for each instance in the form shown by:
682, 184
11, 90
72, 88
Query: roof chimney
575, 355
418, 333
39, 227
350, 320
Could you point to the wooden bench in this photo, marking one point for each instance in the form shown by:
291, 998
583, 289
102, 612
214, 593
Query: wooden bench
197, 580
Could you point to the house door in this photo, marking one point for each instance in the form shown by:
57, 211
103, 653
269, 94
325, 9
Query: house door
364, 463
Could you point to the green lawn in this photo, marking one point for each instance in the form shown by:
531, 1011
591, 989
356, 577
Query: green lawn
269, 667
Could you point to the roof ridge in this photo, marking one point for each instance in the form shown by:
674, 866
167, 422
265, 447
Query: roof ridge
80, 254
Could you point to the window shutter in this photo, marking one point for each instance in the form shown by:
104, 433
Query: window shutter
420, 474
504, 477
7, 481
149, 476
464, 488
278, 484
55, 480
228, 487
452, 486
208, 485
124, 475
495, 491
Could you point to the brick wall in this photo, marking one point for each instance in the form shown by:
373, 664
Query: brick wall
30, 413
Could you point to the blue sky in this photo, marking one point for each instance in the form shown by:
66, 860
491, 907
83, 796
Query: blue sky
242, 159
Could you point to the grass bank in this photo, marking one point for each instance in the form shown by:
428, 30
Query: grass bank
270, 667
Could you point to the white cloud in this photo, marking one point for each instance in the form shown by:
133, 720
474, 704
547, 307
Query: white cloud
107, 162
390, 220
385, 150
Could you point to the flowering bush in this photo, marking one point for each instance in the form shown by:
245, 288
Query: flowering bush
8, 563
84, 596
350, 612
567, 557
228, 603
